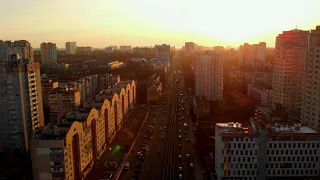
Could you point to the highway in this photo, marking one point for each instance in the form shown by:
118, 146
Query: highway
169, 143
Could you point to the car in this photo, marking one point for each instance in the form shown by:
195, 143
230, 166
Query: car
160, 128
162, 137
180, 176
139, 154
135, 176
180, 168
179, 146
187, 155
159, 152
179, 131
187, 140
179, 136
191, 165
184, 132
180, 156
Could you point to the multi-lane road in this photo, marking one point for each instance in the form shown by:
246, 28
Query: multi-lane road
165, 146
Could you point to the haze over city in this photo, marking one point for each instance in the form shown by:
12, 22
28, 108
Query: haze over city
99, 23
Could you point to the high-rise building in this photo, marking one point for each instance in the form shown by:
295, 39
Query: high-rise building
71, 48
21, 108
310, 97
22, 47
290, 56
266, 150
209, 75
253, 56
190, 47
125, 48
48, 53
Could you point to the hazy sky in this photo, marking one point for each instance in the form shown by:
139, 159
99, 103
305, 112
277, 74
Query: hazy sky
100, 23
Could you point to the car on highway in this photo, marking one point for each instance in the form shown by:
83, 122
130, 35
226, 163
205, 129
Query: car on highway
180, 168
180, 176
179, 146
135, 176
191, 165
184, 132
187, 140
179, 136
187, 155
162, 137
158, 152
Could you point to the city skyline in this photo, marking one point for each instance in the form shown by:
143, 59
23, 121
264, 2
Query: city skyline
138, 23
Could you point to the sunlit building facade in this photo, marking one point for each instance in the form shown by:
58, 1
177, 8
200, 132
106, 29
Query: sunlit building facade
71, 48
310, 96
48, 53
290, 56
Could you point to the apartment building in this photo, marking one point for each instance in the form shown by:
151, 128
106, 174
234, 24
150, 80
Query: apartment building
310, 97
290, 57
209, 75
3, 50
21, 47
71, 48
70, 149
259, 95
62, 101
47, 85
144, 51
125, 48
48, 53
190, 47
263, 150
163, 52
253, 55
84, 50
21, 107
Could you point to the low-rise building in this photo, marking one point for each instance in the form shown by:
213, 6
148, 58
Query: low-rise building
264, 150
259, 95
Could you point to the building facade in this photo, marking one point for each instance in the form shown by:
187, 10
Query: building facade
21, 111
190, 47
48, 53
62, 101
71, 48
163, 52
290, 55
70, 149
47, 85
259, 95
21, 47
209, 75
263, 151
310, 97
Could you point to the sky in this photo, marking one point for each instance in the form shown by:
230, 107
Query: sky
100, 23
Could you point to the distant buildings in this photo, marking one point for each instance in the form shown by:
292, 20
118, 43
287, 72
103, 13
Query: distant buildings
209, 75
84, 50
70, 149
265, 150
21, 108
190, 47
71, 48
163, 52
3, 50
154, 89
48, 54
125, 49
144, 51
253, 56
